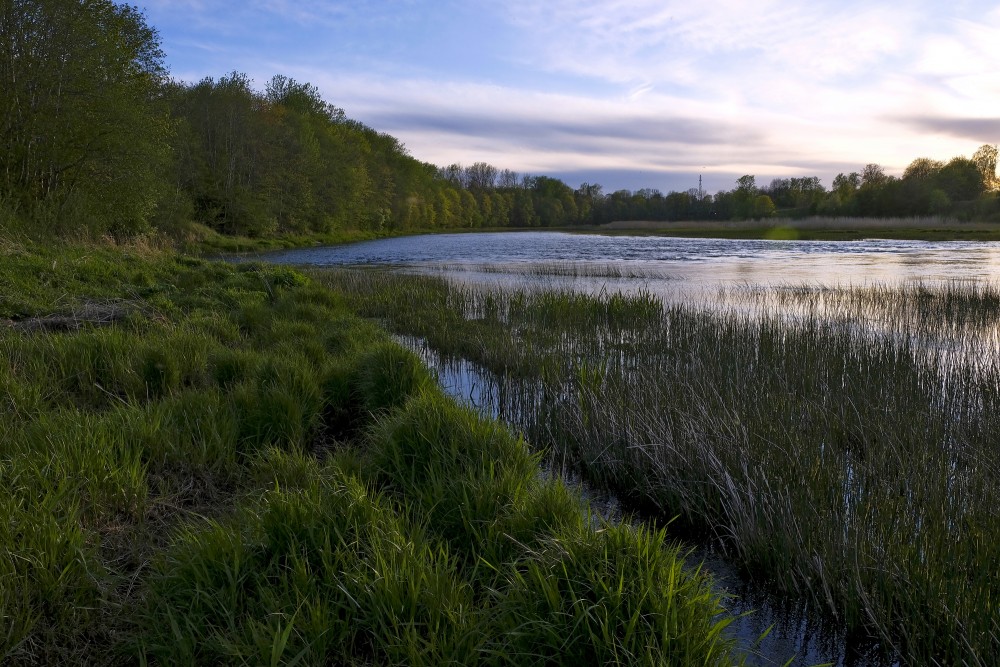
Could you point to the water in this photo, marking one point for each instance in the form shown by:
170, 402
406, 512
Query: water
724, 274
663, 264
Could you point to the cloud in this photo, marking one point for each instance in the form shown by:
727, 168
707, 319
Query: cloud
330, 12
553, 132
983, 130
683, 42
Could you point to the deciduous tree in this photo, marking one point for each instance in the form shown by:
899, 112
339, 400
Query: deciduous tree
985, 159
83, 131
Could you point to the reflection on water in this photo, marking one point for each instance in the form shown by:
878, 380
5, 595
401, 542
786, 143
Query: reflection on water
658, 263
711, 271
756, 276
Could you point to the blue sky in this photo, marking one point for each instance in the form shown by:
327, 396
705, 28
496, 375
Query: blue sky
632, 94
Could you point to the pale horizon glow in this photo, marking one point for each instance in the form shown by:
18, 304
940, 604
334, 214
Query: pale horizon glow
637, 94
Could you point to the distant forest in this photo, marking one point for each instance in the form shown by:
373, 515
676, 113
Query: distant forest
95, 137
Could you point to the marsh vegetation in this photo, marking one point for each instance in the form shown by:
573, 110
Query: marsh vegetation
206, 463
840, 443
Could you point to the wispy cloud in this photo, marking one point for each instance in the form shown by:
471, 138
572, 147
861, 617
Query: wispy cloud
973, 129
677, 42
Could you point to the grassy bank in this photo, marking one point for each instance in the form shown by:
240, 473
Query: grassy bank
196, 239
815, 229
840, 443
222, 464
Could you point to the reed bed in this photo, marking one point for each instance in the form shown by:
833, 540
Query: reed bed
562, 269
840, 443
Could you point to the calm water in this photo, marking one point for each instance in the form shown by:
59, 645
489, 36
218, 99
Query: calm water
663, 264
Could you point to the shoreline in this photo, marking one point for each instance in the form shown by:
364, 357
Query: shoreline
812, 229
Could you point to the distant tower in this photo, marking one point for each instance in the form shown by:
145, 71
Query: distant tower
701, 192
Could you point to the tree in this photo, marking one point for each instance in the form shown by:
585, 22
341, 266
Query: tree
481, 176
455, 174
960, 179
763, 207
922, 169
303, 98
985, 159
847, 184
83, 129
508, 180
746, 184
873, 175
918, 185
744, 195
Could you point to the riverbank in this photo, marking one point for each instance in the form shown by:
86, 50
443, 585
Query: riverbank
837, 441
223, 464
813, 229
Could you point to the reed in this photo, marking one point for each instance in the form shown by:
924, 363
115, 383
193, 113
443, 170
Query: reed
839, 442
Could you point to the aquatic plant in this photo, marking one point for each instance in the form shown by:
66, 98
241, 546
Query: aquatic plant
837, 441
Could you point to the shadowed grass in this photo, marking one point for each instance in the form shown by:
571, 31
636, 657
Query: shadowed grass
453, 562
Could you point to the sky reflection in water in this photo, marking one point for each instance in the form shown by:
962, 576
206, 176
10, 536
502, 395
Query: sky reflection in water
664, 264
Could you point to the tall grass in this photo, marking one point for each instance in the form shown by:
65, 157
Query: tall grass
838, 443
121, 415
456, 552
208, 463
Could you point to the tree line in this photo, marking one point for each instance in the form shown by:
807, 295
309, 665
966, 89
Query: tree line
95, 137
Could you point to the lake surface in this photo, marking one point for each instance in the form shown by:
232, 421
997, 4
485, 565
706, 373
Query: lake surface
663, 264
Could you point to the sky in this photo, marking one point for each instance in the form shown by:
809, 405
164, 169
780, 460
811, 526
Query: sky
637, 94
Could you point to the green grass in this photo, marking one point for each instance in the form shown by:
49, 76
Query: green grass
839, 442
213, 463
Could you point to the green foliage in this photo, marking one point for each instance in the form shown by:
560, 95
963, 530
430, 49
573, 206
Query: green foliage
330, 566
340, 571
763, 207
102, 143
839, 441
608, 597
85, 137
387, 375
190, 476
465, 474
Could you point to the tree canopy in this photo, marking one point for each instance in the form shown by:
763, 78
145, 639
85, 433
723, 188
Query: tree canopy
83, 131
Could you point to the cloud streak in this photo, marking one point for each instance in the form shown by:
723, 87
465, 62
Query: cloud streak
973, 129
